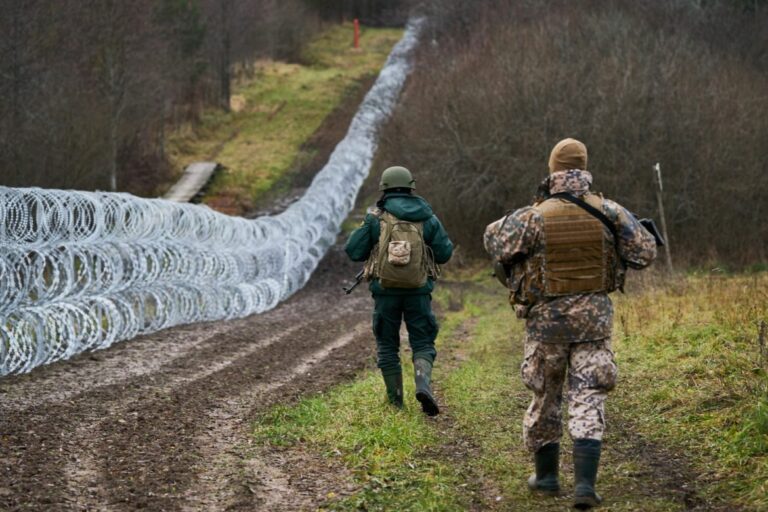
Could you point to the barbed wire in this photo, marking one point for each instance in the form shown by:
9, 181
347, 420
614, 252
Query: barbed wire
82, 270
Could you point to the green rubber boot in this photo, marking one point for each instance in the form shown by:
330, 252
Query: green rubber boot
586, 458
394, 385
547, 460
423, 376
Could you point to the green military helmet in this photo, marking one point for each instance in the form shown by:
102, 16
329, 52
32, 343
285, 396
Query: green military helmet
397, 177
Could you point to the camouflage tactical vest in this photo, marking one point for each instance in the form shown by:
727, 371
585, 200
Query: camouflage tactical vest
401, 259
579, 255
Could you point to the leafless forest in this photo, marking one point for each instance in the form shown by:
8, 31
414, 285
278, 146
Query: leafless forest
283, 410
90, 88
681, 83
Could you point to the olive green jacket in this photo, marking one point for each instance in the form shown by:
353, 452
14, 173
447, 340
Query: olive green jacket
405, 207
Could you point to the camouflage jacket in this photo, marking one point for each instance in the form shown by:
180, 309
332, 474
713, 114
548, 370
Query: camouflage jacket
572, 318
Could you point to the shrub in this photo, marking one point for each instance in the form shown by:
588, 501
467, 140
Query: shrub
497, 86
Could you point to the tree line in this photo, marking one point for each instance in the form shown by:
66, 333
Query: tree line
90, 88
681, 83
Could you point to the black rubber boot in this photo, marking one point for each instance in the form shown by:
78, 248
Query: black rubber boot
394, 385
586, 459
423, 376
547, 460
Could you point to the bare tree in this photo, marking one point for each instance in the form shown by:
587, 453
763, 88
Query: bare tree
88, 88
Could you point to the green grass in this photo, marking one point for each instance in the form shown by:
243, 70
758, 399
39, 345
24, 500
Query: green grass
488, 401
380, 444
696, 341
280, 107
689, 385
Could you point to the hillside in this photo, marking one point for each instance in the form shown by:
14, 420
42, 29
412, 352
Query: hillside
170, 356
276, 107
639, 83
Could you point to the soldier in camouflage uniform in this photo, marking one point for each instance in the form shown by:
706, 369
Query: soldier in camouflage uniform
561, 291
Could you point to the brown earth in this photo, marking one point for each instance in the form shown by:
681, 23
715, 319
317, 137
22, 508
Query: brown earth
162, 422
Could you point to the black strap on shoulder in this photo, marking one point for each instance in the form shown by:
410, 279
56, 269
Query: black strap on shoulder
591, 210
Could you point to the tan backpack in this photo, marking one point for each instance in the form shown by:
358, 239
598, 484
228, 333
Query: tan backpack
401, 259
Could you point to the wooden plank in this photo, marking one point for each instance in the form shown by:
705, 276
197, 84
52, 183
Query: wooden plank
192, 181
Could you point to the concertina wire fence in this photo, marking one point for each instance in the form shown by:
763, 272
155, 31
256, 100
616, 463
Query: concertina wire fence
82, 270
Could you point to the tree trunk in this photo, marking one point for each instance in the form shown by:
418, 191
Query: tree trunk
17, 119
113, 150
224, 64
116, 87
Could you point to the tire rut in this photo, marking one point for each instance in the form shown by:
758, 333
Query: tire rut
226, 455
163, 435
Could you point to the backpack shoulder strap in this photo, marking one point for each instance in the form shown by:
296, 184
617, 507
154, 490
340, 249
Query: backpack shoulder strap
386, 223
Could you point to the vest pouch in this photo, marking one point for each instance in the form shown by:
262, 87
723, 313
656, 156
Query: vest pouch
399, 253
402, 261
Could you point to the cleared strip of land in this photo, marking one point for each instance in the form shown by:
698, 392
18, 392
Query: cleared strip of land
276, 107
162, 423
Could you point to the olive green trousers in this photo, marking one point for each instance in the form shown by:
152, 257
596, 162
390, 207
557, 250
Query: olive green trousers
388, 314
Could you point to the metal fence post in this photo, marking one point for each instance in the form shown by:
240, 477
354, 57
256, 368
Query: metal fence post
659, 190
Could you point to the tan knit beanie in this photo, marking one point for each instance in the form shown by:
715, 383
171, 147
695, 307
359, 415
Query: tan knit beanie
568, 154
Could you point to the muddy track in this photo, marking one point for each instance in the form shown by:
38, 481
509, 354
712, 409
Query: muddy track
159, 422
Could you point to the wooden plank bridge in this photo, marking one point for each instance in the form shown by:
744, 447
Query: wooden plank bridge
192, 182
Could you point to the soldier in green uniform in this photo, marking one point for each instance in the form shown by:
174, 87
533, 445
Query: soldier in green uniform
402, 242
564, 255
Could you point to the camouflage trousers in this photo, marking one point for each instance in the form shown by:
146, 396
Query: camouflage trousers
591, 372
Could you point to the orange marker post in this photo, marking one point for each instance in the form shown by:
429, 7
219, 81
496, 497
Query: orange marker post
357, 33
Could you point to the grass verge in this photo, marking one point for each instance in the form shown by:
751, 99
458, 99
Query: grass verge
488, 401
379, 444
694, 378
704, 415
277, 106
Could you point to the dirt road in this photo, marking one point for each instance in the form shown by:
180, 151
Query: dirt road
160, 421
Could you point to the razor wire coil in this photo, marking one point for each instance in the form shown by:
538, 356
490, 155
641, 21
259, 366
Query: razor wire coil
80, 271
